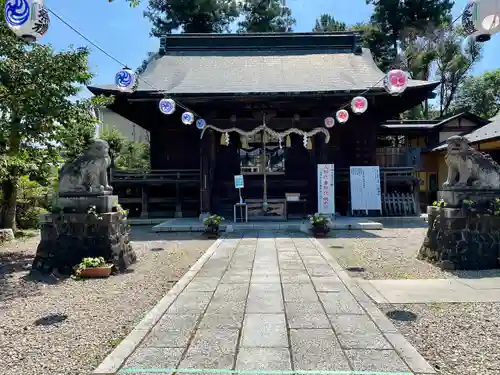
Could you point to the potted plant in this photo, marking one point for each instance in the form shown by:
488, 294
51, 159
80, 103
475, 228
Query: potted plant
319, 224
212, 224
93, 267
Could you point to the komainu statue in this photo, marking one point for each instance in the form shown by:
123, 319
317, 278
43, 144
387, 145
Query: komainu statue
87, 174
473, 168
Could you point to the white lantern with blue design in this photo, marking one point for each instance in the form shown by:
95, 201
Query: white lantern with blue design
28, 19
200, 124
481, 19
125, 80
167, 106
187, 118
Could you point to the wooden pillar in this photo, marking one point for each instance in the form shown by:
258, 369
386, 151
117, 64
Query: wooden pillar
178, 198
206, 169
144, 203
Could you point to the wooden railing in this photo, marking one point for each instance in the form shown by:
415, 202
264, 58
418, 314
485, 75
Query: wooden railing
398, 157
156, 176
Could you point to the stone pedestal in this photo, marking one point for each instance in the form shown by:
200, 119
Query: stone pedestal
81, 204
67, 238
457, 240
454, 198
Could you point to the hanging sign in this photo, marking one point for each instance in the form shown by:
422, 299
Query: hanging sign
365, 189
239, 182
326, 189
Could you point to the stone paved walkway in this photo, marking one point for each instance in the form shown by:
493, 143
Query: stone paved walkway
433, 290
267, 301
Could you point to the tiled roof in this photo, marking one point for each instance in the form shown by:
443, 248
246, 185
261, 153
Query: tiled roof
484, 133
431, 124
223, 70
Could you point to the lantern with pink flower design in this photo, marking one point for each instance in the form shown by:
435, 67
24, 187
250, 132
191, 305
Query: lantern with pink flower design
342, 116
329, 122
359, 105
396, 81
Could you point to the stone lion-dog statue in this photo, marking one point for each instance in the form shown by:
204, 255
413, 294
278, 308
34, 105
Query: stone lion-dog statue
473, 168
87, 174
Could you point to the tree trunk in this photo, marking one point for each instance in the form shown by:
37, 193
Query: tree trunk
8, 212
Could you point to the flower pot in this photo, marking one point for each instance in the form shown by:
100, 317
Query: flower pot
103, 271
212, 231
320, 230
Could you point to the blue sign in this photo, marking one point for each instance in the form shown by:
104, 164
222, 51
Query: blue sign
238, 182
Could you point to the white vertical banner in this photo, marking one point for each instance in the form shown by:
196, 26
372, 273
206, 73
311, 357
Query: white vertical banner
326, 189
365, 188
373, 192
357, 189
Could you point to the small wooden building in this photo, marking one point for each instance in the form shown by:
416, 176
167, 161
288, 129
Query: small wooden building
285, 80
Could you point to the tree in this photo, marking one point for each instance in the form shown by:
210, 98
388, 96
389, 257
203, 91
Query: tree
37, 117
453, 65
480, 95
398, 19
150, 57
191, 16
264, 16
127, 154
327, 23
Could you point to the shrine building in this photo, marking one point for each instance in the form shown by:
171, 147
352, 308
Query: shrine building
265, 99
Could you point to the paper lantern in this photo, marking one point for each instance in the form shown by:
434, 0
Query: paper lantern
125, 80
342, 116
359, 105
28, 19
187, 118
396, 81
200, 124
329, 122
167, 106
481, 19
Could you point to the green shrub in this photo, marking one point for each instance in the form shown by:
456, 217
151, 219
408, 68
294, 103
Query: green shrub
28, 216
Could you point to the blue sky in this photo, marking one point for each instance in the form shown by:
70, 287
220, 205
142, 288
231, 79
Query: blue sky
123, 32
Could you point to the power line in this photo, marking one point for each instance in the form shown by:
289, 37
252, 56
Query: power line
406, 60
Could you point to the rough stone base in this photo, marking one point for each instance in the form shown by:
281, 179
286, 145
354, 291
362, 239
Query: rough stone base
68, 238
6, 235
463, 242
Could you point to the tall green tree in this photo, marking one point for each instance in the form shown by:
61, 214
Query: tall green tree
265, 16
400, 19
38, 119
480, 95
327, 23
191, 16
454, 62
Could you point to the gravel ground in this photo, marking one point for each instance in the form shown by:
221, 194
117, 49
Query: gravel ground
390, 253
455, 338
51, 327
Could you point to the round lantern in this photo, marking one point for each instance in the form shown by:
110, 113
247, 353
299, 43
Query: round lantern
342, 116
200, 124
481, 19
28, 19
396, 81
125, 80
187, 118
167, 106
329, 122
359, 105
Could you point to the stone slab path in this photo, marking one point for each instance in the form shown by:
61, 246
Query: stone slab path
266, 301
433, 290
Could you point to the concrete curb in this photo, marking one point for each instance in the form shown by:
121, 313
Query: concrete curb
127, 346
405, 350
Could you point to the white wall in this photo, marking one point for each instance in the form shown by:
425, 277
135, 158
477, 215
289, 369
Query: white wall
111, 120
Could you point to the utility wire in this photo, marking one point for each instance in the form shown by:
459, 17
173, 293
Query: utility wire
114, 58
406, 60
